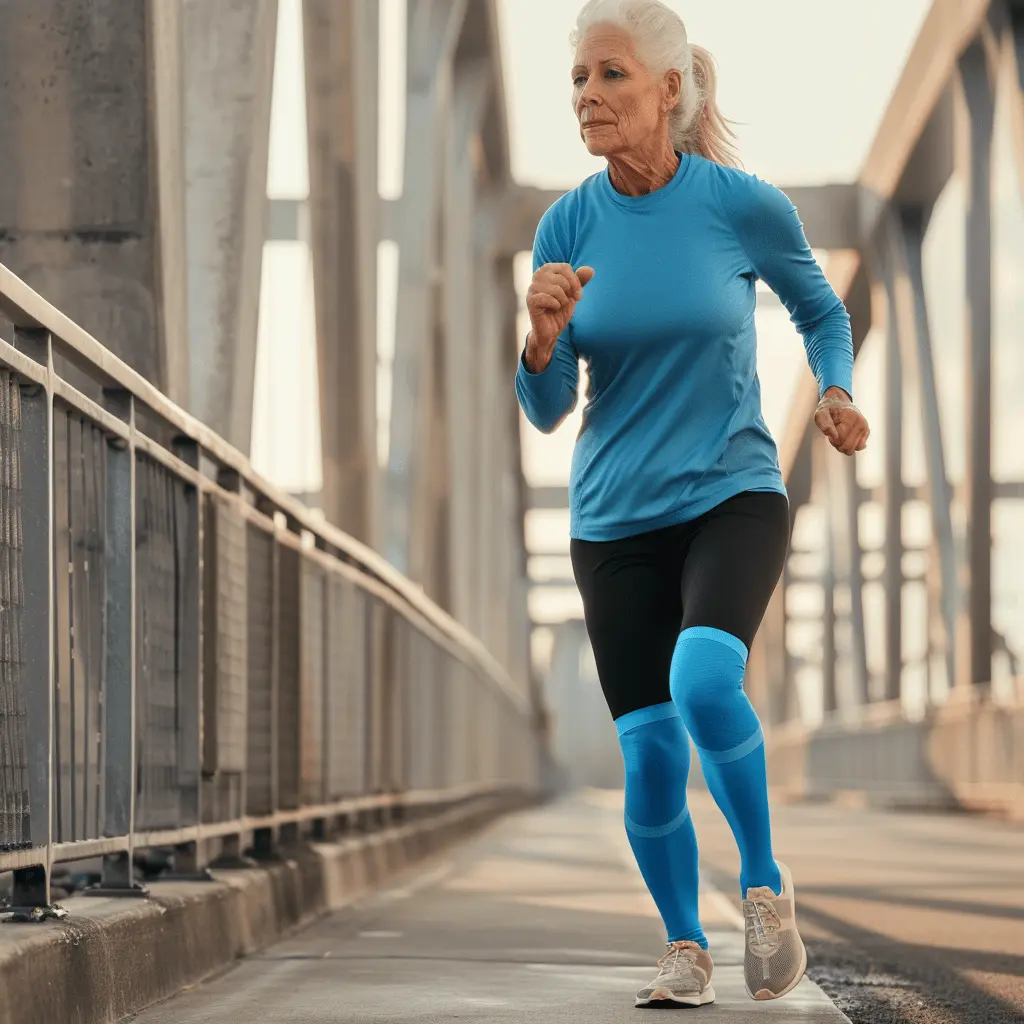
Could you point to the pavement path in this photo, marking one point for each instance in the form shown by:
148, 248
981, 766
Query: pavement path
542, 918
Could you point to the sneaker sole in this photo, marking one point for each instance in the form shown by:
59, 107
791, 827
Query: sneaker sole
764, 994
662, 999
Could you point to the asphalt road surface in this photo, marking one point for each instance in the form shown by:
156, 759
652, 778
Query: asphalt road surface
908, 918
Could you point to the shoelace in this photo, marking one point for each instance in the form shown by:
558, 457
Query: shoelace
669, 963
765, 921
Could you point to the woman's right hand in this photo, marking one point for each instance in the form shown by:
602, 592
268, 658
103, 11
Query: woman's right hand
550, 301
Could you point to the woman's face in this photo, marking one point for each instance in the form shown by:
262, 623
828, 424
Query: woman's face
619, 104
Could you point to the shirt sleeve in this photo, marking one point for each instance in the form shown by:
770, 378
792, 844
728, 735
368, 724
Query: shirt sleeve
550, 396
772, 236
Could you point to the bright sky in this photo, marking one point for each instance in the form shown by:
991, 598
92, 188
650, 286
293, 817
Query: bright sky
806, 79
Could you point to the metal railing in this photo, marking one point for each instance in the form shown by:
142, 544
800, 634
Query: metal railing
189, 659
967, 753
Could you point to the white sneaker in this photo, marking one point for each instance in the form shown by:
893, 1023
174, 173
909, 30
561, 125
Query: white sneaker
684, 978
775, 959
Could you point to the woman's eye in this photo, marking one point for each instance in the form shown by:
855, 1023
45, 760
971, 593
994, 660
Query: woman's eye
578, 80
613, 73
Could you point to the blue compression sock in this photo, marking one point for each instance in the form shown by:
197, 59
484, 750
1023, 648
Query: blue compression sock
656, 755
707, 687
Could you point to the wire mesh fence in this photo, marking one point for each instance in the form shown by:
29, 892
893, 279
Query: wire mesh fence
187, 659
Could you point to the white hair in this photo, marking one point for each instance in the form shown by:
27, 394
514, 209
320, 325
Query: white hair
696, 125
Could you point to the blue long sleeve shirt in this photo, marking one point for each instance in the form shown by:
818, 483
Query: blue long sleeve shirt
673, 424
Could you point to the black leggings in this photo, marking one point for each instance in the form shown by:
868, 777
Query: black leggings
639, 592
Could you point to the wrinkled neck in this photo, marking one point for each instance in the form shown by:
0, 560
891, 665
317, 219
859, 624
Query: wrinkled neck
638, 173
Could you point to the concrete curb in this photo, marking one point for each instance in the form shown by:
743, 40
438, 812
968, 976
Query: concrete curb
113, 957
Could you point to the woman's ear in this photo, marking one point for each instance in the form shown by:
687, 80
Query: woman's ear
673, 89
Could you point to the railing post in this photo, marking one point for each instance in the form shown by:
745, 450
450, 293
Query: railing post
119, 656
32, 884
190, 858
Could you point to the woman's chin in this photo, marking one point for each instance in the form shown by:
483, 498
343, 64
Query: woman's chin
596, 146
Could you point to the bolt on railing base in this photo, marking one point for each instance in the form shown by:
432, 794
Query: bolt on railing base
265, 848
31, 899
187, 866
231, 857
32, 915
116, 880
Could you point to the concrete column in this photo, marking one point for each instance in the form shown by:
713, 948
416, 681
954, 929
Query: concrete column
341, 51
92, 193
229, 72
434, 27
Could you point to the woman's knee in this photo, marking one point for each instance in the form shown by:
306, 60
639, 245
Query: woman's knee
656, 756
655, 747
707, 670
707, 687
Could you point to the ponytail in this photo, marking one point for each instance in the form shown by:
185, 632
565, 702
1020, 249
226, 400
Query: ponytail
707, 133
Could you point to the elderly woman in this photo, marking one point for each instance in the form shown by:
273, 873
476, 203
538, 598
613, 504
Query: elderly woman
679, 519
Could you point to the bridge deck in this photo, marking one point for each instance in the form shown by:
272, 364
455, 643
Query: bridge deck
542, 918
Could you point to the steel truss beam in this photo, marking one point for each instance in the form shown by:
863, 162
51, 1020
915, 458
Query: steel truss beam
433, 34
903, 239
919, 144
910, 158
341, 55
229, 71
469, 375
974, 154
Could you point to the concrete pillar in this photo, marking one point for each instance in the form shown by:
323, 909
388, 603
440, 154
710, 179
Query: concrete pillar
341, 52
229, 71
92, 193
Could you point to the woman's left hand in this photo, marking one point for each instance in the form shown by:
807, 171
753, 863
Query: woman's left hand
842, 422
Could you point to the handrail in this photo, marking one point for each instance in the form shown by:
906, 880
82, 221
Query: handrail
26, 308
198, 662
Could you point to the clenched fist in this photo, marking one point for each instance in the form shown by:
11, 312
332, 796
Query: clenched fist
550, 301
842, 422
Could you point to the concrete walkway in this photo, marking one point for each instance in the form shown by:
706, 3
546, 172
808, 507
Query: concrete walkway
542, 918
